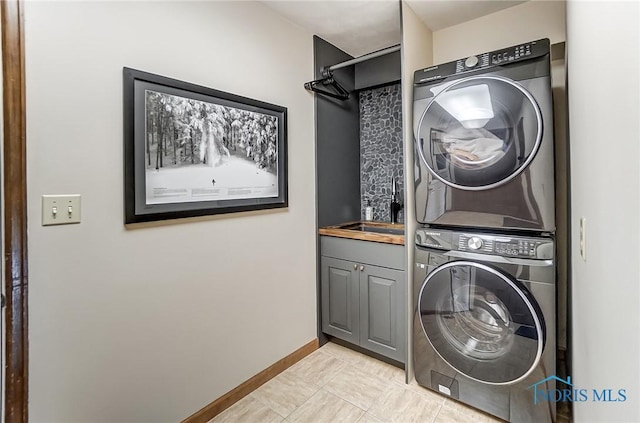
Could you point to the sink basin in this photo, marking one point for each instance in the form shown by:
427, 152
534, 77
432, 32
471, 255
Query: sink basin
377, 229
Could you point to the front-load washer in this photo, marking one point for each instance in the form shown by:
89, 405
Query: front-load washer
484, 150
484, 325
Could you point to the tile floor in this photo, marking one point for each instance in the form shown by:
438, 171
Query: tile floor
336, 384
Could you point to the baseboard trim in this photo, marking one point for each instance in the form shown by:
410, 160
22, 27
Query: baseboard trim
250, 385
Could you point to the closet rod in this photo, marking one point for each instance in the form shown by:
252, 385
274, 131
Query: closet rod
392, 49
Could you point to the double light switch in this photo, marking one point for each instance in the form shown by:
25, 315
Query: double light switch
60, 209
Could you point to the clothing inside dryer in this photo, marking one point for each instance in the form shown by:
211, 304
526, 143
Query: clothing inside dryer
479, 132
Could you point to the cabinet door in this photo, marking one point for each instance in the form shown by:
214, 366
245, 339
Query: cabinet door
340, 298
382, 311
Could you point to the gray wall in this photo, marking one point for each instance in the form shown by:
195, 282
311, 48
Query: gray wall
380, 149
378, 71
337, 149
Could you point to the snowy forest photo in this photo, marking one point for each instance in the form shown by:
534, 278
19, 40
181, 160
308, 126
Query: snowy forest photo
201, 151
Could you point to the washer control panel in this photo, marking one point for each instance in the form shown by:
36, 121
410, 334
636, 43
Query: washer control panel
516, 248
475, 243
498, 245
491, 244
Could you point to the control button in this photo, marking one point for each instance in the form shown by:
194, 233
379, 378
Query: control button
471, 61
475, 243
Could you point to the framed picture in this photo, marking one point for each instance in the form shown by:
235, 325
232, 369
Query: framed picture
195, 151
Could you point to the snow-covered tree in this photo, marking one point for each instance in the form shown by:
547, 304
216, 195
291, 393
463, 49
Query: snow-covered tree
182, 131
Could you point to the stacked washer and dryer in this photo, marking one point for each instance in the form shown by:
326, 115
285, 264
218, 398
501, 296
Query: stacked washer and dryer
484, 284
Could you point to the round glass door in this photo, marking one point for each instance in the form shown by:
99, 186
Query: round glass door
482, 322
479, 132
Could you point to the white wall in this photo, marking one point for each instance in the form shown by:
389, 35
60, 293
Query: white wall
417, 53
603, 66
151, 324
526, 22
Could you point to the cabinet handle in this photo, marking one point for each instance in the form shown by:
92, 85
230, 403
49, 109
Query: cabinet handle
361, 268
355, 266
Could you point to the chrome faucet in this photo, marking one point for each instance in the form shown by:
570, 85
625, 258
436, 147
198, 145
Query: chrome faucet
395, 204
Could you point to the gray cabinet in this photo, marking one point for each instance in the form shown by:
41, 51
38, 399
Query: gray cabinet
363, 291
340, 297
381, 307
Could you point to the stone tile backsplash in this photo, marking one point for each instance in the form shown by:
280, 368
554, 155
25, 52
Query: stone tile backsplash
381, 155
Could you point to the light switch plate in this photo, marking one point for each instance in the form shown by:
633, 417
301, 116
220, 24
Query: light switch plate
60, 209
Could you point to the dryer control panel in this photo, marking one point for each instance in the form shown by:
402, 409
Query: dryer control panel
520, 52
489, 244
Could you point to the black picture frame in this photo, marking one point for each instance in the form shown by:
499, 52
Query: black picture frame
196, 151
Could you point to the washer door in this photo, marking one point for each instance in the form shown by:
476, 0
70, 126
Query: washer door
479, 132
482, 322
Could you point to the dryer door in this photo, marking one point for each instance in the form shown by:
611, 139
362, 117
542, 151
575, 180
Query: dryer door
479, 132
482, 322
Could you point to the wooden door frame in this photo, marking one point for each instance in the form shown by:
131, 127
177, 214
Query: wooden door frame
15, 211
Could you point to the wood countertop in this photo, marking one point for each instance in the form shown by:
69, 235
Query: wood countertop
367, 231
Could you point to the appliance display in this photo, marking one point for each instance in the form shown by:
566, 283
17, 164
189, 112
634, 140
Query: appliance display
483, 130
484, 326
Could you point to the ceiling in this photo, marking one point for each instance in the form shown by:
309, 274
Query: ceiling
359, 27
